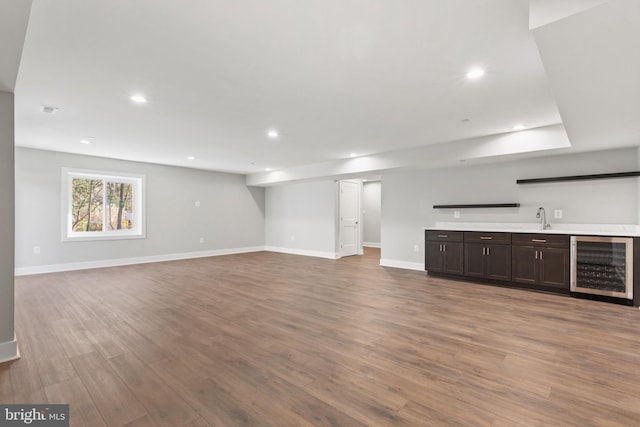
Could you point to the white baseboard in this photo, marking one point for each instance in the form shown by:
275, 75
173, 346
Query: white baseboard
54, 268
371, 244
402, 264
304, 252
9, 351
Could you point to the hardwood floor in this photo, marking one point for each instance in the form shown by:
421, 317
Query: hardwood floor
269, 339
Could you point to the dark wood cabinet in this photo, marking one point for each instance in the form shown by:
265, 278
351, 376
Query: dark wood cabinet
499, 262
540, 259
444, 252
487, 255
434, 260
452, 255
523, 268
554, 268
530, 260
474, 258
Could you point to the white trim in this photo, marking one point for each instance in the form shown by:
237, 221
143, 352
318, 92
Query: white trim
94, 236
53, 268
402, 264
304, 252
371, 245
9, 350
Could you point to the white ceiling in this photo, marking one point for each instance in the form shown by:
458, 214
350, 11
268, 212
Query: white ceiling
332, 76
593, 62
542, 12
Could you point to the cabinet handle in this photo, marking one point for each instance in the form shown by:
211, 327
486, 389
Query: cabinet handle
440, 248
444, 248
486, 238
443, 235
484, 251
536, 254
541, 256
488, 251
539, 240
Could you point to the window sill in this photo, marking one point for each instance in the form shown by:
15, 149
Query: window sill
105, 236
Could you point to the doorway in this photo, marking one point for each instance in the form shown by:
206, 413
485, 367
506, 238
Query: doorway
371, 212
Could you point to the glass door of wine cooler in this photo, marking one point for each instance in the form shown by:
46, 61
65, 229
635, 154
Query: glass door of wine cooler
602, 266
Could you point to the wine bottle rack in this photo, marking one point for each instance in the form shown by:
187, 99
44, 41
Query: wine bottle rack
602, 266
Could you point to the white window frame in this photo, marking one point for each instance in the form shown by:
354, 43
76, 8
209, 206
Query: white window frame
139, 220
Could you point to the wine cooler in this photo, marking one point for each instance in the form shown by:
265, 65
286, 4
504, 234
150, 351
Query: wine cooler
602, 266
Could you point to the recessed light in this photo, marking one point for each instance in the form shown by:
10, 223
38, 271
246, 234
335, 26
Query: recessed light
518, 127
85, 141
191, 158
475, 73
268, 169
352, 155
138, 98
272, 134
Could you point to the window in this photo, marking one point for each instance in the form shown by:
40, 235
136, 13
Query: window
101, 205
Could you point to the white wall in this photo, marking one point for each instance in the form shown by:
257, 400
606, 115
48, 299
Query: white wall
301, 218
8, 347
638, 181
371, 204
408, 197
231, 216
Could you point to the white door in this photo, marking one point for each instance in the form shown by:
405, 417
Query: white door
349, 218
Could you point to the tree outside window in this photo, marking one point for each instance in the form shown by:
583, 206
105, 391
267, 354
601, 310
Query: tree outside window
103, 206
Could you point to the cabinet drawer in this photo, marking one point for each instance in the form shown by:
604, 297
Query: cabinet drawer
492, 238
548, 240
444, 235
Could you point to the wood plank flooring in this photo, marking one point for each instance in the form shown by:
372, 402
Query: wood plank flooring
267, 339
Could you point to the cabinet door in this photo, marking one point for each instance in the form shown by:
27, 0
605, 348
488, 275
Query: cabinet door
474, 259
554, 268
524, 264
453, 255
433, 256
498, 260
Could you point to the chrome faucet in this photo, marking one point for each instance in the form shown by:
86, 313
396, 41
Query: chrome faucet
543, 218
